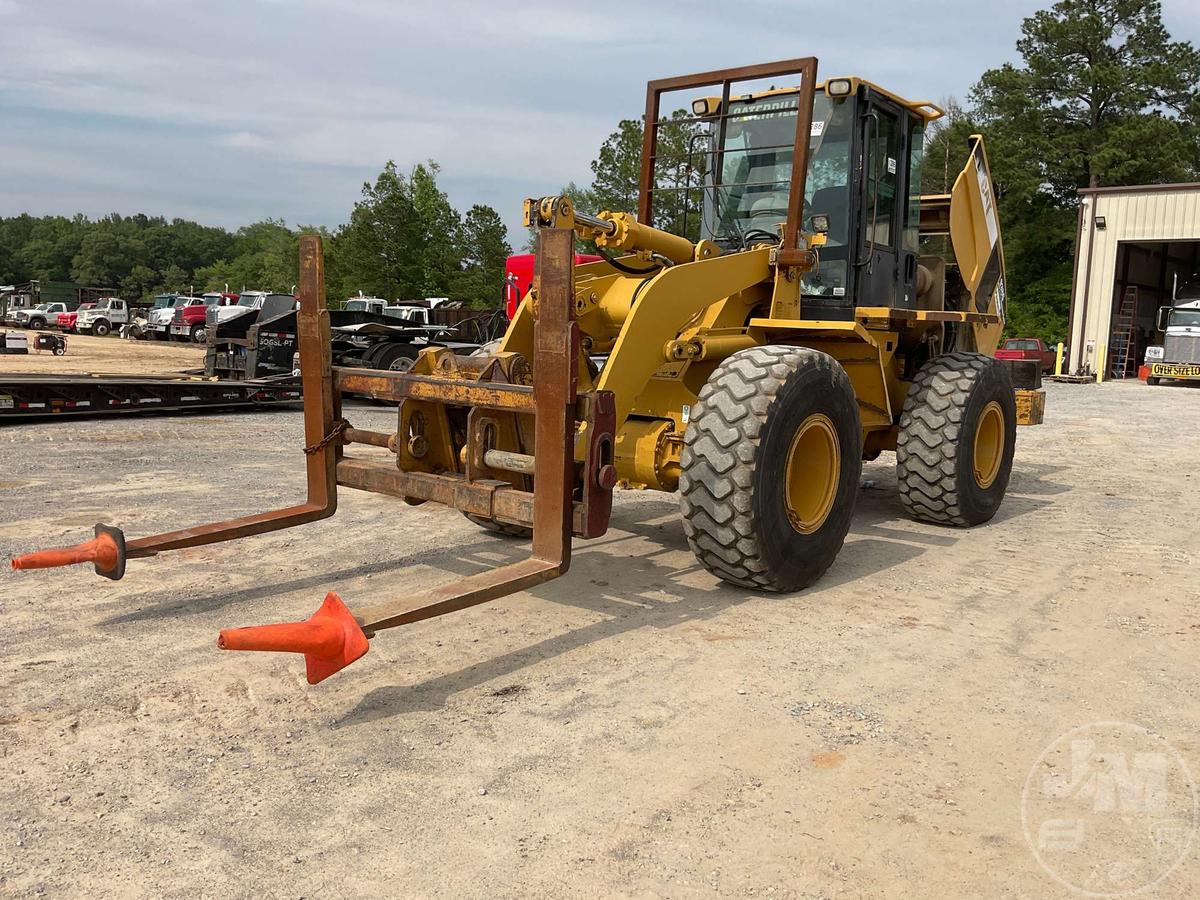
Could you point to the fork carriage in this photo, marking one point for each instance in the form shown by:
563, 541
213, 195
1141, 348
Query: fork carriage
461, 402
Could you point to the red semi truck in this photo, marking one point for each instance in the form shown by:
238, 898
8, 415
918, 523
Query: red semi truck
518, 277
190, 315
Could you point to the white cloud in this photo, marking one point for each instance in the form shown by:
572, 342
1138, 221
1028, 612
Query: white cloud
242, 139
283, 107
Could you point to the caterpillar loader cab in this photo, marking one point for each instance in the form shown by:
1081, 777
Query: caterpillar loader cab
763, 323
861, 190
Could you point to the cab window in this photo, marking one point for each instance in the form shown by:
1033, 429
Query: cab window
883, 179
912, 213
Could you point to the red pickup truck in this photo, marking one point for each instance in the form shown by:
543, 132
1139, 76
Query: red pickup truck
66, 321
1028, 348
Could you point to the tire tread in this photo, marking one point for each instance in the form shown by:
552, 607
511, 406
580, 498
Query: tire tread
720, 455
927, 444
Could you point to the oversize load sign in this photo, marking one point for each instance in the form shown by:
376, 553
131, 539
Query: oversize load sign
1167, 370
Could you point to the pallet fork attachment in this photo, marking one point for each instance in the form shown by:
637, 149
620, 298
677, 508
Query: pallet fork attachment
569, 496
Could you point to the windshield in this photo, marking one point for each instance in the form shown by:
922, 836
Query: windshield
1189, 289
750, 201
1184, 318
248, 300
406, 313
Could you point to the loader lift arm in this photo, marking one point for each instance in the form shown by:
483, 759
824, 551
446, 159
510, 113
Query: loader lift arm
566, 501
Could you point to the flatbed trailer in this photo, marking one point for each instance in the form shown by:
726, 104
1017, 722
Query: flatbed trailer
265, 346
30, 396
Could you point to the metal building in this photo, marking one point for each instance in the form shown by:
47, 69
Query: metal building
1133, 247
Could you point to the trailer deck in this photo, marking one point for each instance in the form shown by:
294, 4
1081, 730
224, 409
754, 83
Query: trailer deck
29, 396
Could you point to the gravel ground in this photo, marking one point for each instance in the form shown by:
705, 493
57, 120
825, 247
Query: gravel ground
635, 728
105, 355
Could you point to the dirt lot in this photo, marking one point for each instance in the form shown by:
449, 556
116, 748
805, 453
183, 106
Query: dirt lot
107, 355
636, 728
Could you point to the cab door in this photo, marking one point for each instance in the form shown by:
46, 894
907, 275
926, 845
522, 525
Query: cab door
910, 237
879, 257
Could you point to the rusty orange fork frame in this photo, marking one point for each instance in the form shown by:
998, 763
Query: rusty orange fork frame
568, 498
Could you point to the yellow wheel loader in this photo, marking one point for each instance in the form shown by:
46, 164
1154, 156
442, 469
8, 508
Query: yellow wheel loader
764, 323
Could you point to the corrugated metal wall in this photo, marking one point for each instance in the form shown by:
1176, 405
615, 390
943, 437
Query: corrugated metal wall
1137, 215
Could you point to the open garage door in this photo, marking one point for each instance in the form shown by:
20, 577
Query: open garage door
1147, 276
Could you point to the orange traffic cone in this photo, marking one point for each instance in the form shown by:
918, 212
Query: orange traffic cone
330, 640
106, 551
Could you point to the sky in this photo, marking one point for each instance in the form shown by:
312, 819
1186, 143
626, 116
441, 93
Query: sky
232, 111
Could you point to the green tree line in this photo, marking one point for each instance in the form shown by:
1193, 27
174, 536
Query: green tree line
404, 240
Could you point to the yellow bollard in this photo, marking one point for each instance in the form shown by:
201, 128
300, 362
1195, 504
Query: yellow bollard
1058, 359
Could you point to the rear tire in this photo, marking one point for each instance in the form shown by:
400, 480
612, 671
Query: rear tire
395, 358
770, 467
1151, 380
368, 358
958, 432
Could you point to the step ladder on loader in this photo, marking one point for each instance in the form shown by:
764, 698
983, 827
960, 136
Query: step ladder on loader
565, 498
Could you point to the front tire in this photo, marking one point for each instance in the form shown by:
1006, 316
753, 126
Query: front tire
101, 329
770, 467
958, 432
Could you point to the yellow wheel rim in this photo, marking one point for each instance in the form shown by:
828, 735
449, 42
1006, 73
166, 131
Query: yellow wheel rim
814, 465
989, 444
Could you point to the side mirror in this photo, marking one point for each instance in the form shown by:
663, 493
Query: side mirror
1160, 322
